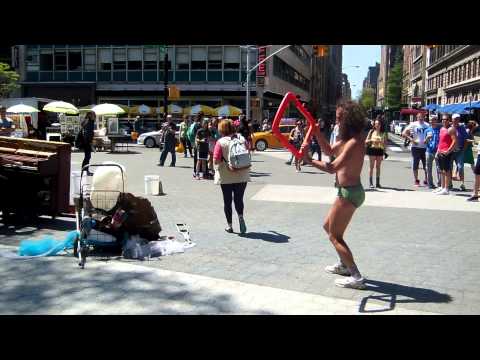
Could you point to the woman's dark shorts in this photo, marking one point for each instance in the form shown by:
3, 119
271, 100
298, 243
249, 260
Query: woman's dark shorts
476, 170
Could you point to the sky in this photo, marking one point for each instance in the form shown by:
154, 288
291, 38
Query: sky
363, 56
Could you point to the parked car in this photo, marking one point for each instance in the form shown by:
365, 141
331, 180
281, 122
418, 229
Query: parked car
265, 139
400, 127
154, 138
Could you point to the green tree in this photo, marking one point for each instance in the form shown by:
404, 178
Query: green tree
367, 98
8, 80
394, 84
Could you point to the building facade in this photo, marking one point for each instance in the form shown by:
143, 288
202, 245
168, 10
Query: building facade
388, 56
452, 74
346, 90
371, 80
132, 75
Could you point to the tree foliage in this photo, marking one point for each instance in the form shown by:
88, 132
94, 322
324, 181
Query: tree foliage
8, 80
367, 98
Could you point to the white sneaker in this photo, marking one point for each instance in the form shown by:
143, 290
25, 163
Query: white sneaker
436, 191
444, 192
338, 269
351, 283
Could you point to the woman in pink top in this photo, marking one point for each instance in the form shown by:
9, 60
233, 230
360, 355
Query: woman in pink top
446, 145
232, 181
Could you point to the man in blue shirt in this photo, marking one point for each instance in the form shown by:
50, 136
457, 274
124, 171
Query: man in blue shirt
6, 124
432, 137
459, 153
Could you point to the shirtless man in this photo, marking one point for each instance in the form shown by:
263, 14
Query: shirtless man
349, 153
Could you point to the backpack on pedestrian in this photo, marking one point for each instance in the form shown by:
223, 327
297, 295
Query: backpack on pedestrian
192, 132
238, 154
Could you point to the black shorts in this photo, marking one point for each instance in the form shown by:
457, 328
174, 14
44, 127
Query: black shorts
374, 151
203, 151
445, 162
476, 170
418, 154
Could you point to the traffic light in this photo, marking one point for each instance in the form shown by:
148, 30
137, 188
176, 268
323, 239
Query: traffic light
173, 93
320, 50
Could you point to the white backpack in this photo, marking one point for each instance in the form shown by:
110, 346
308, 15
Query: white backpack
238, 154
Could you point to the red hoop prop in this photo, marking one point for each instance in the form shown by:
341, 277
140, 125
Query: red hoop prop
290, 97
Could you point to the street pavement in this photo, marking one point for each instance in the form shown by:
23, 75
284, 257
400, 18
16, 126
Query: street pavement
418, 251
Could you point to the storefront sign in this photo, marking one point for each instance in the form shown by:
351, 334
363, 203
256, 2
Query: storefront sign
262, 69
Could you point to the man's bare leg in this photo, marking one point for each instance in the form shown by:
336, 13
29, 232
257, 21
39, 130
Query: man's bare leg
340, 216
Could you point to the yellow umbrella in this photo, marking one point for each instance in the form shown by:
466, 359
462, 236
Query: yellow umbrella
228, 110
172, 109
194, 110
141, 110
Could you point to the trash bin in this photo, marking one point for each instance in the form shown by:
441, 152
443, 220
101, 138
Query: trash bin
153, 186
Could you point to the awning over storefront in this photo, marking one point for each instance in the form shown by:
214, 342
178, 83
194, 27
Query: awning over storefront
431, 107
408, 111
473, 105
453, 108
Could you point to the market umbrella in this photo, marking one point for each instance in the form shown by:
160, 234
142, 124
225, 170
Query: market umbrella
228, 110
172, 109
107, 109
194, 110
141, 110
22, 109
61, 107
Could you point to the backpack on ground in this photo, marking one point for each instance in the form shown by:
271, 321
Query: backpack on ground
238, 154
141, 217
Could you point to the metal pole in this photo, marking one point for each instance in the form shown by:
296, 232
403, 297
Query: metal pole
247, 97
165, 82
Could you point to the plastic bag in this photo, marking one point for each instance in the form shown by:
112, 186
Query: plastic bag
47, 246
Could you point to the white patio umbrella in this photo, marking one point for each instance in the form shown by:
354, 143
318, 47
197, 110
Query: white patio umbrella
107, 109
22, 109
61, 107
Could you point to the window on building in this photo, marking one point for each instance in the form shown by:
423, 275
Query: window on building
105, 59
161, 61
119, 59
135, 59
214, 57
182, 58
74, 60
287, 73
231, 59
199, 58
150, 59
89, 60
60, 60
46, 60
32, 60
474, 68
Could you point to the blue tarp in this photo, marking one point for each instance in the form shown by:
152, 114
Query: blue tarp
453, 108
473, 105
431, 107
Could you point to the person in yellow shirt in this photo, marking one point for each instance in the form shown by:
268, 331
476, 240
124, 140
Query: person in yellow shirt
376, 143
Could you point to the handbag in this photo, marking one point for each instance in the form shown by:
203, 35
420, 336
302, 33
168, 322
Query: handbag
80, 140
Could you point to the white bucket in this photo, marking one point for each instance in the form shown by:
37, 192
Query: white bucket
74, 185
152, 185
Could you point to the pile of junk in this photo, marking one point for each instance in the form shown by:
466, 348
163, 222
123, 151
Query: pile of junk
110, 218
112, 221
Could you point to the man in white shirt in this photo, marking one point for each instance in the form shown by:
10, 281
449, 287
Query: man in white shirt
416, 132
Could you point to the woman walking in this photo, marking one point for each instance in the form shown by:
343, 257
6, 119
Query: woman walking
232, 181
296, 139
88, 127
201, 142
376, 143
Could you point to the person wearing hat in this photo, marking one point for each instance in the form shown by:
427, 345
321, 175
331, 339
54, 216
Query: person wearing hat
459, 153
6, 124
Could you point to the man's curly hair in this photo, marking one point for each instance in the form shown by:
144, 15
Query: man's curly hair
353, 120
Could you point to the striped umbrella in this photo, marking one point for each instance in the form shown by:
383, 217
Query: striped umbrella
194, 110
228, 110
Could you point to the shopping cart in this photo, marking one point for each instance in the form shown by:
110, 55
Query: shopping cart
93, 204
